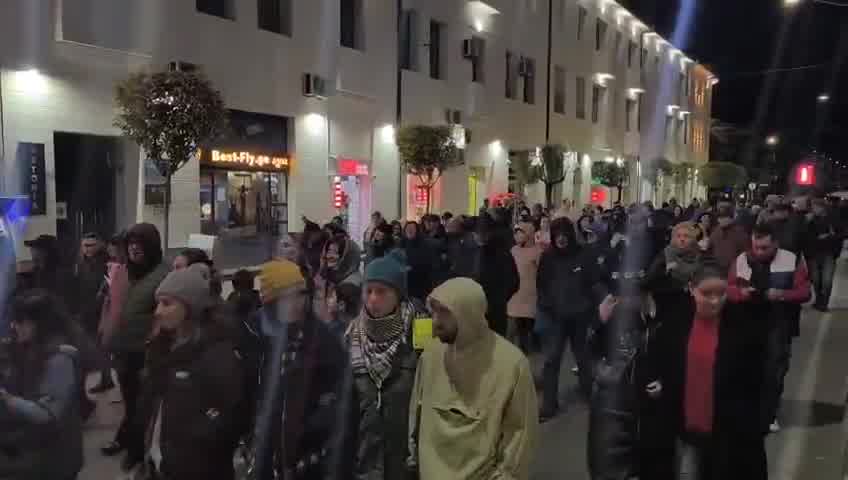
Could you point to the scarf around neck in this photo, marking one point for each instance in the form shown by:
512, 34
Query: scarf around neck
687, 262
375, 341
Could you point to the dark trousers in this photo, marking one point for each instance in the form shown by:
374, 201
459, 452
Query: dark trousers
821, 274
131, 431
738, 458
777, 359
520, 332
573, 330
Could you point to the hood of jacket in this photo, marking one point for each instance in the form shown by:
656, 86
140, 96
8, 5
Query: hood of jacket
147, 235
563, 225
347, 265
466, 300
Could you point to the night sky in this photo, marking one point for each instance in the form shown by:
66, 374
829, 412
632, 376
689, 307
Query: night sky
737, 37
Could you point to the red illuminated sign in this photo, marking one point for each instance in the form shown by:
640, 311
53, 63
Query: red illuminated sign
421, 195
598, 195
338, 195
806, 174
351, 167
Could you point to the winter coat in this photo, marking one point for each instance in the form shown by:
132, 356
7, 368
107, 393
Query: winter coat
41, 435
375, 446
460, 249
196, 392
726, 243
473, 412
114, 293
303, 369
137, 314
422, 259
624, 426
791, 233
822, 247
89, 276
495, 269
737, 438
669, 293
523, 302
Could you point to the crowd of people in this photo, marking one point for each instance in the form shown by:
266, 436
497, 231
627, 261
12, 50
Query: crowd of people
404, 354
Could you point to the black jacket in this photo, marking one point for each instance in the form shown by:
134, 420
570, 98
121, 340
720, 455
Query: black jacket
199, 388
737, 440
422, 259
568, 280
89, 275
496, 272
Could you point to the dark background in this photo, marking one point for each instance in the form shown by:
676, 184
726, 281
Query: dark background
738, 38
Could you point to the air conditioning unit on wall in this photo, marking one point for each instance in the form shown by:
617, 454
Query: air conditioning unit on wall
314, 86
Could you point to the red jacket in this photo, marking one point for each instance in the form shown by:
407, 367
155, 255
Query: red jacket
787, 272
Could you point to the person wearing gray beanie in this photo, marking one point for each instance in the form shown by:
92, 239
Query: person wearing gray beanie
193, 402
189, 288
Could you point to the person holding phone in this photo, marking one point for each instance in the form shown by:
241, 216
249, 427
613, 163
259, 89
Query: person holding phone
769, 280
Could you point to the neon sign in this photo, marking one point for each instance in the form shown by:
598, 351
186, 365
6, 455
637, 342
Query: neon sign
244, 159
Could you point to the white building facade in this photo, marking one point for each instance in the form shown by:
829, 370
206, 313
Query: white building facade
480, 65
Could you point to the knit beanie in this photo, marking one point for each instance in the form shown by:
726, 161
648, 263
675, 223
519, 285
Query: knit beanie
390, 270
276, 276
189, 286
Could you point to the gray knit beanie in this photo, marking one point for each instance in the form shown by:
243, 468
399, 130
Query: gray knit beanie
189, 286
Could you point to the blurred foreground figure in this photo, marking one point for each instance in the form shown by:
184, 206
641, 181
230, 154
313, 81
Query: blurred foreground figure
302, 373
40, 381
473, 412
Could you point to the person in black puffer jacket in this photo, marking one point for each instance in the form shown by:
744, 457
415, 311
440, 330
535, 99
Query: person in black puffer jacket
569, 287
494, 268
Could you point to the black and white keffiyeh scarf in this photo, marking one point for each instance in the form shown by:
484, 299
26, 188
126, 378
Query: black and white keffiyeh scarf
375, 341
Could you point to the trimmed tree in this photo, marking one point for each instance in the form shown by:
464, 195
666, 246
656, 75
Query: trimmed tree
427, 152
170, 115
552, 170
681, 173
611, 175
722, 175
527, 172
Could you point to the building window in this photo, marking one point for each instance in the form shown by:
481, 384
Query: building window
351, 30
275, 16
699, 94
408, 42
600, 34
529, 75
477, 63
631, 50
219, 8
511, 86
559, 90
597, 92
629, 106
559, 13
581, 21
639, 114
618, 38
436, 49
685, 129
581, 97
643, 57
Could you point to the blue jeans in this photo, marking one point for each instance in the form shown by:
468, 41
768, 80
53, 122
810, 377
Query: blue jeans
559, 331
821, 274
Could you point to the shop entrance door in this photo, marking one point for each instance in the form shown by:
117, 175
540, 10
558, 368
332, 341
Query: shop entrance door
85, 186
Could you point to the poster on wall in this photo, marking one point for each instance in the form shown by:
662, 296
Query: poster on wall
30, 159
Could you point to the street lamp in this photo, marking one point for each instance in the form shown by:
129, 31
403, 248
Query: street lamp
772, 140
832, 3
791, 3
823, 98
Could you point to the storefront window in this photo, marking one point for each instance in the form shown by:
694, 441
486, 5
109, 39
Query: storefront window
243, 203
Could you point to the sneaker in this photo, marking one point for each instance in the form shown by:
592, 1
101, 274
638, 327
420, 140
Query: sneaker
774, 427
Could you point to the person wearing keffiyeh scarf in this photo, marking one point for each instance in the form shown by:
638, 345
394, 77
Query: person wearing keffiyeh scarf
382, 366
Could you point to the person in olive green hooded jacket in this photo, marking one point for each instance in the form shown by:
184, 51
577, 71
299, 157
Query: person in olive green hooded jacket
473, 412
146, 271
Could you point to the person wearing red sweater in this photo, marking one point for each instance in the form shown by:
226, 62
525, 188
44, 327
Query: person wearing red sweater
710, 356
771, 283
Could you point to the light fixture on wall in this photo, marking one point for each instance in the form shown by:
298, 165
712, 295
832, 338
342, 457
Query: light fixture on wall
387, 133
609, 159
31, 81
496, 148
633, 93
602, 79
671, 109
315, 123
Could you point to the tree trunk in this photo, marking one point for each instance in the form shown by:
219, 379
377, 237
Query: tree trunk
549, 194
620, 188
165, 240
429, 190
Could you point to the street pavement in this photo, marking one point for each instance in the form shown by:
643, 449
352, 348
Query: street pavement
810, 446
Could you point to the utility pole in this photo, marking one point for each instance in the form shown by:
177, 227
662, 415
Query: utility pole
399, 104
548, 96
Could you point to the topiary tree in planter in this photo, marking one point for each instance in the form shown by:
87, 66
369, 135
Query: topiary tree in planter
656, 168
611, 175
722, 175
527, 172
681, 174
552, 170
428, 152
170, 115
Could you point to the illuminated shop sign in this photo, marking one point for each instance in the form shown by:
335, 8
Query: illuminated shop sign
244, 160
